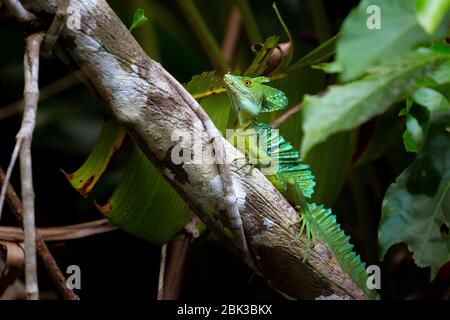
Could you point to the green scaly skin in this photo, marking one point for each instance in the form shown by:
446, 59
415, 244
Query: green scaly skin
249, 97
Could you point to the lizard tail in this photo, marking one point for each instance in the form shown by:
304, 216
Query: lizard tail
324, 225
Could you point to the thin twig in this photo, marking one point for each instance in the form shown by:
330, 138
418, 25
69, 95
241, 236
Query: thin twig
12, 162
297, 108
63, 233
49, 90
59, 20
232, 34
42, 249
25, 136
230, 199
162, 268
277, 122
177, 258
18, 10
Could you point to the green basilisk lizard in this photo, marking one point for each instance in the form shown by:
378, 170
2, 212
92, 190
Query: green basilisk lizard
291, 176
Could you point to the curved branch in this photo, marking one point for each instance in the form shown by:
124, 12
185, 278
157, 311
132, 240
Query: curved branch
135, 91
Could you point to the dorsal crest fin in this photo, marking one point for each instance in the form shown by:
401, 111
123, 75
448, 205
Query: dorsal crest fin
273, 100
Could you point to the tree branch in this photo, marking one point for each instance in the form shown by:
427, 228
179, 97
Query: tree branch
63, 233
42, 249
25, 136
59, 20
175, 266
142, 99
162, 271
17, 9
60, 85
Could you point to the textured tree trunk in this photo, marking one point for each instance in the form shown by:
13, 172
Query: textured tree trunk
106, 57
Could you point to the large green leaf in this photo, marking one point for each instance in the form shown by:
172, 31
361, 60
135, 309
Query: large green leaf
110, 140
359, 47
204, 85
431, 13
416, 208
347, 106
144, 204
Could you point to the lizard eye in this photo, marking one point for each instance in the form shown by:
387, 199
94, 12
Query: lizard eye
247, 83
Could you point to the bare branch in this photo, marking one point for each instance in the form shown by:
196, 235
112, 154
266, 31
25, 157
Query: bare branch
289, 113
63, 233
177, 258
232, 33
25, 135
162, 269
12, 162
17, 9
58, 86
42, 249
59, 20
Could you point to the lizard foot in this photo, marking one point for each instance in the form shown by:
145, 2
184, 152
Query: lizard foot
310, 235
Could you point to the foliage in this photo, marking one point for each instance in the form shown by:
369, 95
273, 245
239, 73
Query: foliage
138, 19
345, 107
359, 47
416, 208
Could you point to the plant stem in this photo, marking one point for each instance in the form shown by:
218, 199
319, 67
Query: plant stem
249, 21
320, 20
205, 36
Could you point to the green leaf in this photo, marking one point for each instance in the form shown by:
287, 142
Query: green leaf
204, 85
286, 59
138, 19
332, 67
144, 204
359, 47
416, 208
431, 13
442, 74
110, 140
439, 80
408, 141
431, 99
322, 52
347, 106
259, 63
413, 135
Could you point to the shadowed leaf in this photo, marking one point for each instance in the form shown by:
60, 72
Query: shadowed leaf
144, 204
416, 208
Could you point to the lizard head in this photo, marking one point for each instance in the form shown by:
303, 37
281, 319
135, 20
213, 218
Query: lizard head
249, 96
